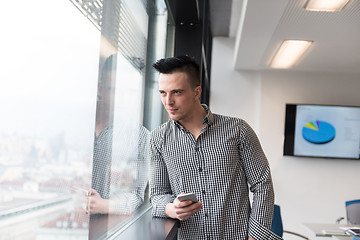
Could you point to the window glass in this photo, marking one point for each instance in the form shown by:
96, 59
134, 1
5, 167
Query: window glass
120, 163
73, 148
48, 80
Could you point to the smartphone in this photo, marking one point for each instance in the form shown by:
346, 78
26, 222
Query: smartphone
187, 197
81, 190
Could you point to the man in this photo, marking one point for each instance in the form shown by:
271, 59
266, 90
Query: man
213, 156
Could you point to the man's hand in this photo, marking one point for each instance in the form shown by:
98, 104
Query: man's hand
96, 204
182, 210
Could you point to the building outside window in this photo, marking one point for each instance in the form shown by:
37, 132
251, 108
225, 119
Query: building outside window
72, 88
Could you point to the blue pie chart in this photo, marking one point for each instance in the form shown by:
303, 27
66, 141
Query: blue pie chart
318, 132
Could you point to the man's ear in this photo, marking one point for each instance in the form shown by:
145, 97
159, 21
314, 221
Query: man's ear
197, 91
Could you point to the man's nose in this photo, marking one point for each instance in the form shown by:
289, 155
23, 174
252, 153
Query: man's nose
169, 99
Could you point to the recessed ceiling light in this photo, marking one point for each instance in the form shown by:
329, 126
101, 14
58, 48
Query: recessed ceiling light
325, 5
289, 53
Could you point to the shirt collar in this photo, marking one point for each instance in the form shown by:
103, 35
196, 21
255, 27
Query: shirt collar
208, 119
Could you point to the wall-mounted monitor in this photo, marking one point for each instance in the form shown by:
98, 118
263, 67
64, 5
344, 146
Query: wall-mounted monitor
322, 131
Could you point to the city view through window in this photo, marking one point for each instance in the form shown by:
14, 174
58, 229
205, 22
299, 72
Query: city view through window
71, 122
48, 100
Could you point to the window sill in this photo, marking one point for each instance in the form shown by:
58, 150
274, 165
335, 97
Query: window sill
148, 227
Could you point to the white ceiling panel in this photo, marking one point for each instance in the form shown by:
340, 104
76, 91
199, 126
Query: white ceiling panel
264, 24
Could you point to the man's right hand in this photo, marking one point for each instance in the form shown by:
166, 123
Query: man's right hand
97, 204
182, 210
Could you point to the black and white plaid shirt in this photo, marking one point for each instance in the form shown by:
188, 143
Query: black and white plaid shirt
217, 167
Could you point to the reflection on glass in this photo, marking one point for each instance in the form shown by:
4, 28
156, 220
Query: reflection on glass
120, 164
120, 169
120, 157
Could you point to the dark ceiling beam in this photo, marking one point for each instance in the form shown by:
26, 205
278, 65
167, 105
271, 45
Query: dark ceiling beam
193, 36
183, 12
220, 15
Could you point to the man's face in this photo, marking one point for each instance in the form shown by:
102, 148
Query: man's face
177, 95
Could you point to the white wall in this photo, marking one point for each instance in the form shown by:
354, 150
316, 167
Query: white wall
307, 189
233, 93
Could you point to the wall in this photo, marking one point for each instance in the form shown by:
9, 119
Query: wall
308, 189
233, 93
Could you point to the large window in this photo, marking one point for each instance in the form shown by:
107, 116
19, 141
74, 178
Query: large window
72, 86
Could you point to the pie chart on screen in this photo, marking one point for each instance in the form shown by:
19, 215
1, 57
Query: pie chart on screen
318, 132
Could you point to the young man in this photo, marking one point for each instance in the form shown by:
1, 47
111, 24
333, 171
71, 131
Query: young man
216, 157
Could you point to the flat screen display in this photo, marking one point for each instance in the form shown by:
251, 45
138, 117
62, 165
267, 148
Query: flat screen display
322, 131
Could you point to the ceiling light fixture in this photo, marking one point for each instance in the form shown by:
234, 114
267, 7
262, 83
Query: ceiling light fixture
325, 5
289, 53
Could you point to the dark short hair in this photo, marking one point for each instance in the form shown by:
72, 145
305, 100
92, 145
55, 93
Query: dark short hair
180, 64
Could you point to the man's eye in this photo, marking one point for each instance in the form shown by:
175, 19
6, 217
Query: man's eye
177, 92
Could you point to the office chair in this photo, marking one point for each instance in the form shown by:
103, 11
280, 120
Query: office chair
353, 212
277, 226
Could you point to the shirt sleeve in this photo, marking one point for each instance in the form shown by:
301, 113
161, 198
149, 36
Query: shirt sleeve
160, 189
258, 175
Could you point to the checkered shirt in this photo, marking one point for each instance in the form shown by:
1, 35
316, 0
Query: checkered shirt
218, 167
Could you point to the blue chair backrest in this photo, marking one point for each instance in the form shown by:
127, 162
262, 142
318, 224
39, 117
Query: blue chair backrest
352, 202
353, 211
277, 225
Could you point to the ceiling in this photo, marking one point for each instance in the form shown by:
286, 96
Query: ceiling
260, 26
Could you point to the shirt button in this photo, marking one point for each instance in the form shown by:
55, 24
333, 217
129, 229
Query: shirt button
203, 191
200, 169
196, 148
206, 214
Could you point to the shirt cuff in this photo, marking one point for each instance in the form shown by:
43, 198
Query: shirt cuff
159, 203
259, 232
